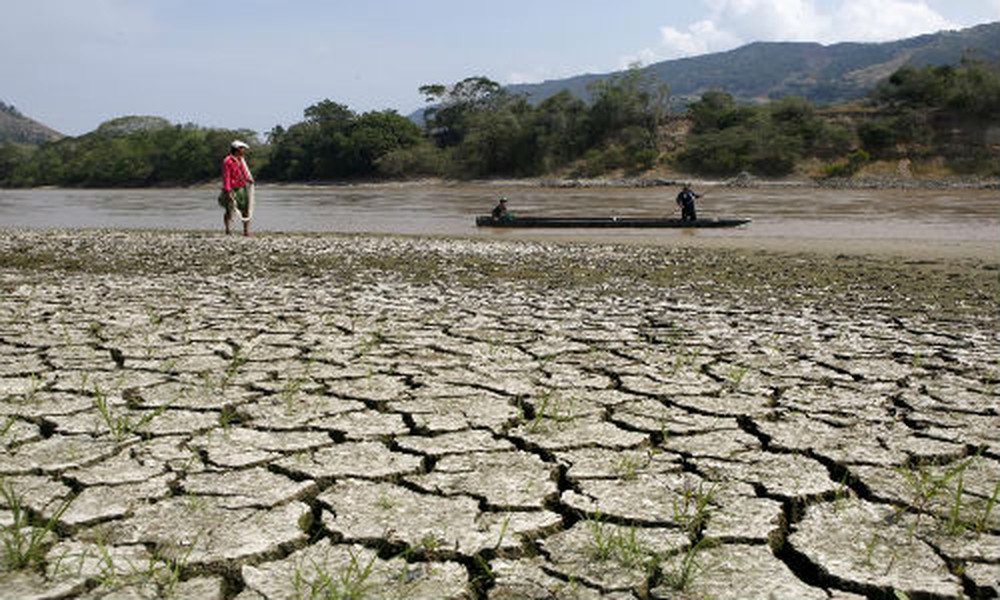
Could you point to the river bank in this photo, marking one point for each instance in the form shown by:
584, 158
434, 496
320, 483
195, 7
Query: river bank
740, 181
193, 415
745, 180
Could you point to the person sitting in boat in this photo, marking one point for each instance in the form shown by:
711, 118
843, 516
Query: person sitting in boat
685, 200
500, 210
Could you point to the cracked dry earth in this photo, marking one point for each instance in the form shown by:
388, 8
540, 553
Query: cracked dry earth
186, 415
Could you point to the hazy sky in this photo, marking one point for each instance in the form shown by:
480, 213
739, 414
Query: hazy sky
73, 64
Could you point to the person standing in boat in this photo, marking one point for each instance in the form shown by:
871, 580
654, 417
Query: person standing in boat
685, 200
236, 181
500, 210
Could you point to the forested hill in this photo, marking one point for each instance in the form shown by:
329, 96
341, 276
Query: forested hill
821, 74
16, 128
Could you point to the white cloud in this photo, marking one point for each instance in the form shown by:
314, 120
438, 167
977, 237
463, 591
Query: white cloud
731, 23
643, 57
518, 77
700, 37
767, 19
539, 75
896, 19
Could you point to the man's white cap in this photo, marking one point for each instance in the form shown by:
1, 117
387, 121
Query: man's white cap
239, 144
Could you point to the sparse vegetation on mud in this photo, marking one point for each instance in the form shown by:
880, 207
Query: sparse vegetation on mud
379, 417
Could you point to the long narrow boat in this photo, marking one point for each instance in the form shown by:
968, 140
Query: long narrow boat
563, 222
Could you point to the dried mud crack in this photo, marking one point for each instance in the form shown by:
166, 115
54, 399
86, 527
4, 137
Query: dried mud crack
186, 415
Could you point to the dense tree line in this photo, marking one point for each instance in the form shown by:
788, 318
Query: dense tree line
972, 89
919, 107
475, 128
911, 115
130, 151
334, 143
769, 140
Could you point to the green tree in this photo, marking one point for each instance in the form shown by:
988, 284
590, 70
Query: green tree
717, 110
976, 90
334, 142
448, 118
877, 136
375, 134
972, 88
561, 130
13, 158
913, 87
630, 100
291, 153
422, 159
128, 151
501, 140
768, 140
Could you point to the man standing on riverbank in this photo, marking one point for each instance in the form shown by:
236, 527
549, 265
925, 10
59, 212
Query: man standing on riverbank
236, 182
685, 200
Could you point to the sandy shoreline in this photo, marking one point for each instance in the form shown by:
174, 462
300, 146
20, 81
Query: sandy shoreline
987, 253
900, 248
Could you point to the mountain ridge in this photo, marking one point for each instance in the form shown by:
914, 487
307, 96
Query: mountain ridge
823, 74
15, 128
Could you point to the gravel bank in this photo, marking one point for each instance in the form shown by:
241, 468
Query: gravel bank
188, 415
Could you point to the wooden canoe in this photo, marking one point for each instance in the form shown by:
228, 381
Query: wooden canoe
563, 222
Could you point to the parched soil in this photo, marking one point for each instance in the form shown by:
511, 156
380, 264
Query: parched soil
193, 416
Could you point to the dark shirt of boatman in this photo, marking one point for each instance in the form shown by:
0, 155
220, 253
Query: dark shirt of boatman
685, 200
500, 210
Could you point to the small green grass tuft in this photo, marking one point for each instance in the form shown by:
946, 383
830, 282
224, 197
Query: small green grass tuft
983, 522
941, 494
736, 376
620, 545
236, 362
694, 507
352, 583
627, 466
7, 425
689, 567
547, 413
120, 426
22, 543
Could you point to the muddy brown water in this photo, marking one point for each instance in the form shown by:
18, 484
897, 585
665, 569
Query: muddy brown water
796, 213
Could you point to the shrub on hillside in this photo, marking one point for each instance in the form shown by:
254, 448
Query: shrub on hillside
420, 160
848, 168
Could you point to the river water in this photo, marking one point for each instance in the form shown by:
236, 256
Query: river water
956, 215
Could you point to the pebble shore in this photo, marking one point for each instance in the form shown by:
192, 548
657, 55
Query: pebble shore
190, 415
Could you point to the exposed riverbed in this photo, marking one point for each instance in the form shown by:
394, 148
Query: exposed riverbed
438, 418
